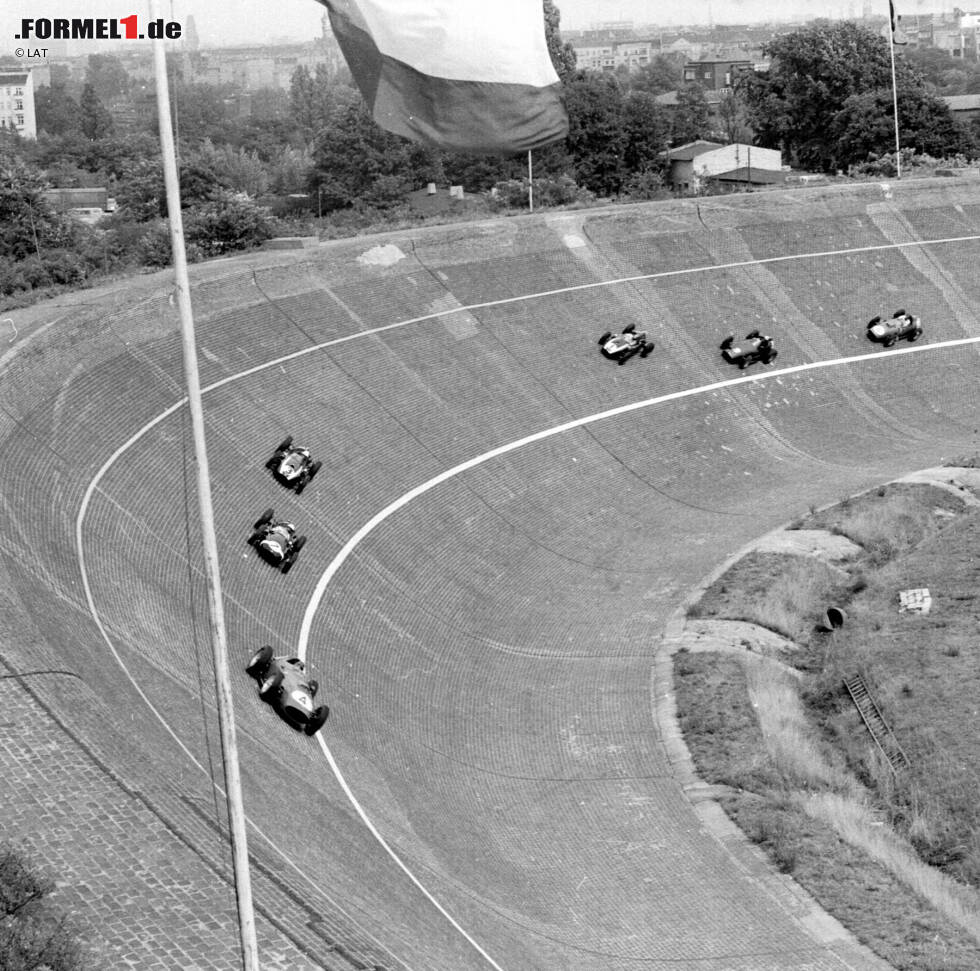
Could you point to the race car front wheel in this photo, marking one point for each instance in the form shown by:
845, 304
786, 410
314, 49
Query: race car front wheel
260, 662
269, 687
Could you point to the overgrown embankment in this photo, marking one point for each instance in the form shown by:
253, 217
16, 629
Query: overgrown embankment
894, 855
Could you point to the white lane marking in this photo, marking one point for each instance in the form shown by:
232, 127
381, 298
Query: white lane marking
419, 490
90, 600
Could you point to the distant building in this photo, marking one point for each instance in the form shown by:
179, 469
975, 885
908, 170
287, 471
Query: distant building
965, 107
17, 103
595, 53
716, 72
736, 165
86, 205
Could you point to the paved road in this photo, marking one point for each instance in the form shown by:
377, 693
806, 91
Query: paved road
502, 795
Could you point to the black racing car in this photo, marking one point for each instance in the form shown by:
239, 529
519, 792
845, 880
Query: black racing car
621, 347
886, 332
284, 684
755, 347
276, 541
292, 465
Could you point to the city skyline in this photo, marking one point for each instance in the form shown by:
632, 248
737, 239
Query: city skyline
259, 22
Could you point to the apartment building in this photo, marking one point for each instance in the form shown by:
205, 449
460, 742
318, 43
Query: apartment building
17, 102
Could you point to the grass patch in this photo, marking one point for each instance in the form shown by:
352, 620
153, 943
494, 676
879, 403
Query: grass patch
802, 767
784, 593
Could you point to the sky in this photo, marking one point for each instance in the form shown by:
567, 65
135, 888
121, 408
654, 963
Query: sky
221, 22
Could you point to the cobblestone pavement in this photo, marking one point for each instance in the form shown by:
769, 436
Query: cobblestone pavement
141, 898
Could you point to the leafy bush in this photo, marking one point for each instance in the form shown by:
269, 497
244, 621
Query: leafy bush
230, 222
560, 191
33, 936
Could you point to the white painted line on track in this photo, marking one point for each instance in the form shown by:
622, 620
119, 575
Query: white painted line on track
393, 507
90, 600
472, 463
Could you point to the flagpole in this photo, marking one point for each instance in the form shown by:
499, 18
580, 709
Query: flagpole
222, 680
530, 183
891, 52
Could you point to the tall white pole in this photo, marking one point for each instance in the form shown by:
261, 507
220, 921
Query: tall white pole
222, 681
530, 183
891, 52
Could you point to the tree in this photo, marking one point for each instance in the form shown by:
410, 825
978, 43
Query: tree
660, 76
355, 160
732, 116
32, 934
814, 71
562, 54
647, 128
316, 99
56, 111
107, 75
596, 137
865, 126
690, 117
95, 120
29, 224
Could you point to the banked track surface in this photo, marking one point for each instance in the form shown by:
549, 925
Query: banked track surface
488, 649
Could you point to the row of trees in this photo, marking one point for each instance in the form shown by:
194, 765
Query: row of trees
825, 102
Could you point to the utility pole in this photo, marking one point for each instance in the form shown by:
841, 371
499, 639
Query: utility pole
226, 719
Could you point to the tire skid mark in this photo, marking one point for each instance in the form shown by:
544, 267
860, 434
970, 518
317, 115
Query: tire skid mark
393, 507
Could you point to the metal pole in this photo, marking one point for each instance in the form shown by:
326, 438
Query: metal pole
222, 682
891, 52
530, 183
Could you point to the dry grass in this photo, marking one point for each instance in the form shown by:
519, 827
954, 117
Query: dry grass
781, 592
861, 827
805, 767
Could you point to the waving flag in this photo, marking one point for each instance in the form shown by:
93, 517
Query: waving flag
898, 35
464, 75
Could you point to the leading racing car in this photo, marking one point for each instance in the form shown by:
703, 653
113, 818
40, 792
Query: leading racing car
755, 347
276, 541
292, 465
886, 332
285, 685
621, 347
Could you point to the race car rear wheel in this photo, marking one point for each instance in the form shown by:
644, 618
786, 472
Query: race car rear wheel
630, 329
914, 336
646, 350
317, 720
270, 685
259, 664
898, 313
314, 468
266, 517
889, 340
285, 443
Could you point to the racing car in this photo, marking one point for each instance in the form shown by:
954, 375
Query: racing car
285, 685
621, 347
292, 465
276, 541
886, 332
755, 347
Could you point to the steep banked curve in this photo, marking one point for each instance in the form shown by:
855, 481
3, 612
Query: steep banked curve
487, 651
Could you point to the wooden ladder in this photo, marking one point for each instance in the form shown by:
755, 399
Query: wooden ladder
875, 722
